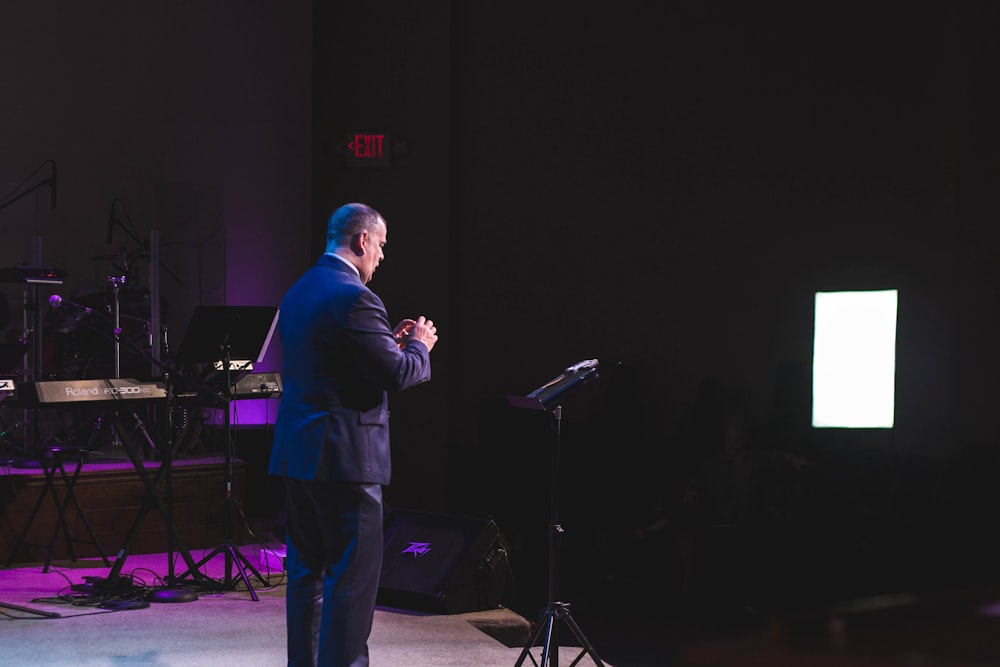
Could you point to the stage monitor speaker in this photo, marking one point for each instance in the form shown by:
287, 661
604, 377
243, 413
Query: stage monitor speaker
442, 563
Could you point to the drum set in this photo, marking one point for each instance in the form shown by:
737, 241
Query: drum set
101, 333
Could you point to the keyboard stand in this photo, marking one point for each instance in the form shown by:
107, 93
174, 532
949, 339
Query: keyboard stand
53, 460
154, 498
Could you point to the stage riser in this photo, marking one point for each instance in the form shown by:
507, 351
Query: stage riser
111, 500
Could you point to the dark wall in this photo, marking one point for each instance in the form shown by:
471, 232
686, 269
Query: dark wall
195, 117
385, 68
662, 188
189, 120
679, 182
665, 188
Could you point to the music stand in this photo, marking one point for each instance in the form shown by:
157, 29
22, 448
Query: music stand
548, 397
228, 337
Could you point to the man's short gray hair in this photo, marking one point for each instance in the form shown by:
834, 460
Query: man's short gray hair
349, 220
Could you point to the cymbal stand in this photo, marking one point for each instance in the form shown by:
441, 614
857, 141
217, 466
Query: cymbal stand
116, 283
233, 556
116, 335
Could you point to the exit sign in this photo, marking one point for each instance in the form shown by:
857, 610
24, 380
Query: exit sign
367, 149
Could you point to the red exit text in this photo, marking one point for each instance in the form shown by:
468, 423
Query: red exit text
367, 149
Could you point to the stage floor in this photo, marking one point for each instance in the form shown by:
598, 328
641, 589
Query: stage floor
45, 619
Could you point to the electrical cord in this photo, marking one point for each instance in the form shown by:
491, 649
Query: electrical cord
126, 592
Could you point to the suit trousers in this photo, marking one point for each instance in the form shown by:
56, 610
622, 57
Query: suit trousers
334, 561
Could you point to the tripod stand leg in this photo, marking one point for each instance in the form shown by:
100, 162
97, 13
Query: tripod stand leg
242, 564
234, 557
550, 647
588, 649
545, 626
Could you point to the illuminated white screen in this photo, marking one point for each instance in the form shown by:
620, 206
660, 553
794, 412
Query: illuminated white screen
854, 359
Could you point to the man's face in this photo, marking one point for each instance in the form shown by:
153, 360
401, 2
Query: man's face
373, 252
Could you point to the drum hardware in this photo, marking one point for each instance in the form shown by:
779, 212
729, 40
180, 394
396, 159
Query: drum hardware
116, 283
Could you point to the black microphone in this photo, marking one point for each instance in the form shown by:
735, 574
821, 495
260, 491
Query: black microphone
57, 301
53, 184
111, 218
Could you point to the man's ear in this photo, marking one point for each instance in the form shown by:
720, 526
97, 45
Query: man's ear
358, 243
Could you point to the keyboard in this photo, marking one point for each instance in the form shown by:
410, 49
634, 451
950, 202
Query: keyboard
104, 390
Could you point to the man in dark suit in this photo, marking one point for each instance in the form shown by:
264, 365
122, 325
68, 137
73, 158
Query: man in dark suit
331, 440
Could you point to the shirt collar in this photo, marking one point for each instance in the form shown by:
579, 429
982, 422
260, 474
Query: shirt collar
336, 256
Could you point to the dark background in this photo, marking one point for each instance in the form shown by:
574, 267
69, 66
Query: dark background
662, 187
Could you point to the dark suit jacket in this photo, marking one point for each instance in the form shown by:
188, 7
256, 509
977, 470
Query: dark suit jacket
339, 360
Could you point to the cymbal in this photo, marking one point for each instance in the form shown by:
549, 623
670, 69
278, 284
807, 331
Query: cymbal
120, 255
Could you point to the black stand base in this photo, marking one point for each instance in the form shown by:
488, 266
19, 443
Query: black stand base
550, 649
171, 595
